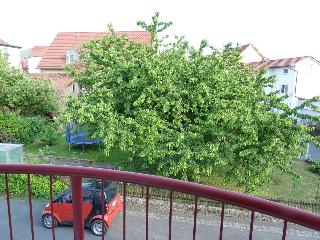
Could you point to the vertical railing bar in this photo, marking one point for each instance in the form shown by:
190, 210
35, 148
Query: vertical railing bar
103, 207
77, 207
30, 207
284, 232
147, 213
51, 206
8, 206
170, 214
221, 223
124, 210
251, 225
195, 217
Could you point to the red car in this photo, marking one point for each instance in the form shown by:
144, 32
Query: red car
92, 210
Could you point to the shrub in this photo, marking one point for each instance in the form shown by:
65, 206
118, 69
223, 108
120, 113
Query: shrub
28, 96
50, 134
23, 129
40, 185
6, 138
315, 167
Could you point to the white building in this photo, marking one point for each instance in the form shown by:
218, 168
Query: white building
297, 77
30, 64
11, 53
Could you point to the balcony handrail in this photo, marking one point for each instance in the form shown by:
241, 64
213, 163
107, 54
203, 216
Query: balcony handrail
290, 214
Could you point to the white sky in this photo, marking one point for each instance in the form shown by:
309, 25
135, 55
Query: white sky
278, 28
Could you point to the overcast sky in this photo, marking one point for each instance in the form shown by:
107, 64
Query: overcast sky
278, 28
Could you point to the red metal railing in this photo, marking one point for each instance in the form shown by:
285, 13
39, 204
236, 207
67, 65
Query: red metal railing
287, 214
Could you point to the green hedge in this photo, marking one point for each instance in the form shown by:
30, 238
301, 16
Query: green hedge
40, 185
23, 129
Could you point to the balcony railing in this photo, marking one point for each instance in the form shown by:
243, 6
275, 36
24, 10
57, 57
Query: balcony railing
256, 205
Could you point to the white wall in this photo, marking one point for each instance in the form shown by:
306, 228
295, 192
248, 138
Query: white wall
308, 81
33, 63
14, 56
250, 55
284, 79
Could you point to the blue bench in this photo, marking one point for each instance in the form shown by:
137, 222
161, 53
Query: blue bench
77, 135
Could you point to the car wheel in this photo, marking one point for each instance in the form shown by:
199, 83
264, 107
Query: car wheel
96, 227
47, 221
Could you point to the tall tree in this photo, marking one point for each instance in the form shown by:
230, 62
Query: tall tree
183, 113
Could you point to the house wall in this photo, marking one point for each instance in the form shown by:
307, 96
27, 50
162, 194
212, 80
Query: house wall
33, 63
250, 55
308, 81
284, 79
14, 55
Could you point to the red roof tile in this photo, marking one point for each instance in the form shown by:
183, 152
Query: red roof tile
55, 56
284, 62
38, 51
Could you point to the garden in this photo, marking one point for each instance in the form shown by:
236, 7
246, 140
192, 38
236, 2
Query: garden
170, 109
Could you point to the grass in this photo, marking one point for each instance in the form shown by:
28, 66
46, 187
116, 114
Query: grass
282, 186
90, 152
286, 187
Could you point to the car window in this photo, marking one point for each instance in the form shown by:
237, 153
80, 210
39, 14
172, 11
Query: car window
67, 198
87, 197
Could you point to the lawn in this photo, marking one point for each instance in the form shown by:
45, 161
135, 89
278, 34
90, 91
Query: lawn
282, 186
61, 149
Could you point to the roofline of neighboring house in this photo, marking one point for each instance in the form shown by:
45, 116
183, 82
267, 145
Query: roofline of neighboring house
9, 45
255, 48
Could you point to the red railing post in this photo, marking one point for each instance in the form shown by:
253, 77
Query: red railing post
78, 224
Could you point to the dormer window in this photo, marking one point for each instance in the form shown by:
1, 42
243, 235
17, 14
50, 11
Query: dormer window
71, 56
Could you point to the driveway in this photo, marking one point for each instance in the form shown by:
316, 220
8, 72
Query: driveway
207, 226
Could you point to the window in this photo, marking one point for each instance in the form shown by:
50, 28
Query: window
285, 71
67, 198
71, 58
284, 89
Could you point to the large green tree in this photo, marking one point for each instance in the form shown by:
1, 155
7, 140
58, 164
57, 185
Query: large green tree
185, 112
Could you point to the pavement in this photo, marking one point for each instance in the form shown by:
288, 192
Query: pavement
208, 225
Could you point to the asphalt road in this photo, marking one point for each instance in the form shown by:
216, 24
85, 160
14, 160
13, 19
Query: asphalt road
207, 226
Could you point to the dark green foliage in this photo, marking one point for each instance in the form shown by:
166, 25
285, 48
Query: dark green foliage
6, 138
182, 113
315, 167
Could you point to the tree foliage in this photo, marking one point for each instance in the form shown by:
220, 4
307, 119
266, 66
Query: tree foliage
25, 95
182, 113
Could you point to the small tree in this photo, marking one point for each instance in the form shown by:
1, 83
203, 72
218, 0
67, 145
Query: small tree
185, 114
23, 94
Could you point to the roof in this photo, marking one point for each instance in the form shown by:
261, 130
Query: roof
244, 47
4, 43
284, 62
38, 51
55, 56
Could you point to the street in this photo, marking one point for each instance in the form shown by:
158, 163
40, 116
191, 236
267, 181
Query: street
182, 226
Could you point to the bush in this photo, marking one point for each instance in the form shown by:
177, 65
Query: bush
49, 135
6, 138
23, 129
315, 167
40, 185
28, 96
